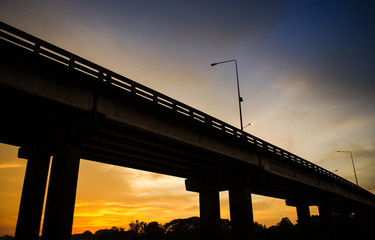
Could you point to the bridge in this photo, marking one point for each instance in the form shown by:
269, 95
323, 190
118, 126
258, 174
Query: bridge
57, 104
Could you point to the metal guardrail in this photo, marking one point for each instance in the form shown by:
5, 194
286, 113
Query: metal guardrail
76, 63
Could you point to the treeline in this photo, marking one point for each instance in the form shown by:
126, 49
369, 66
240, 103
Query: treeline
189, 229
185, 229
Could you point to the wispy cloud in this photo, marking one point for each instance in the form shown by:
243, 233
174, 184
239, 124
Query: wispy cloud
12, 165
127, 195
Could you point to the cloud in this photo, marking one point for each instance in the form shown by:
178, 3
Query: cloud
266, 209
108, 195
14, 165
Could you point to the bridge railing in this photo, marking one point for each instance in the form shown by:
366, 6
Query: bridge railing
76, 63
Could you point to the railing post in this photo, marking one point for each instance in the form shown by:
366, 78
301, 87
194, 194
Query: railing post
71, 61
208, 120
223, 127
191, 114
100, 74
109, 78
37, 48
133, 88
155, 97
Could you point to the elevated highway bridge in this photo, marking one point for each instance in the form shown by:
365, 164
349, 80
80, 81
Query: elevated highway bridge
57, 104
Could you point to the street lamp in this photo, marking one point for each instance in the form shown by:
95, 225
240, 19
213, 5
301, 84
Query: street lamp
251, 123
240, 100
351, 155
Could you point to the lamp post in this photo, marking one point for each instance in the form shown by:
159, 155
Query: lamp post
351, 155
240, 100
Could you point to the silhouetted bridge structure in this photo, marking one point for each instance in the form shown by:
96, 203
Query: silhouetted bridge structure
55, 103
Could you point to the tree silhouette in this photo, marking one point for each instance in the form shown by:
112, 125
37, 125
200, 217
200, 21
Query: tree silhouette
136, 228
153, 230
115, 233
225, 229
260, 231
183, 229
6, 237
87, 235
283, 230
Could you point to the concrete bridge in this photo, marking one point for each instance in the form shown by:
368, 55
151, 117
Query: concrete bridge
56, 104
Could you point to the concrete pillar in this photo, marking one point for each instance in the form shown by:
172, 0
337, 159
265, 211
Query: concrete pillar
32, 199
366, 220
241, 213
209, 203
303, 215
326, 221
58, 218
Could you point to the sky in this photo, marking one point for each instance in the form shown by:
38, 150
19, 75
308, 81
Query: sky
306, 71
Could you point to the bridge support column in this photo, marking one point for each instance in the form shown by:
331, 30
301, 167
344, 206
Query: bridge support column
326, 221
303, 215
241, 213
32, 199
303, 218
58, 219
209, 203
366, 220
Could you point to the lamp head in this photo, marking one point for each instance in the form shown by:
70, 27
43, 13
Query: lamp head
251, 123
213, 64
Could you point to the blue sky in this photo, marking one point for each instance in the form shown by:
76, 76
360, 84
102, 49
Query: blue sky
306, 67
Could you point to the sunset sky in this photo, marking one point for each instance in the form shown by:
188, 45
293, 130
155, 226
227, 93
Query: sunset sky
306, 72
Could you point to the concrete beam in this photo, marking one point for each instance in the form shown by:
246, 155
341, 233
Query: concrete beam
32, 199
199, 184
